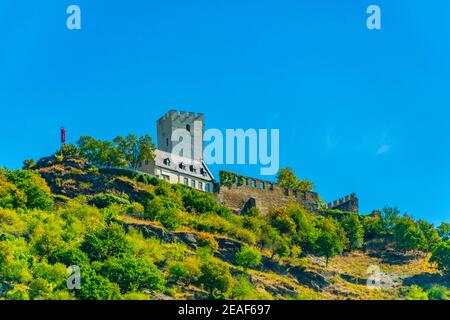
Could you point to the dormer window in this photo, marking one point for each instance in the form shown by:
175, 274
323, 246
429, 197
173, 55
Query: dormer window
203, 171
182, 166
191, 167
167, 162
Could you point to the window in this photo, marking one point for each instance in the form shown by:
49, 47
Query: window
191, 167
193, 184
165, 177
188, 128
167, 162
207, 187
186, 181
182, 166
200, 185
203, 171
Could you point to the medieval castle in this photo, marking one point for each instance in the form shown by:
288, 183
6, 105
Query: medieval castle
239, 195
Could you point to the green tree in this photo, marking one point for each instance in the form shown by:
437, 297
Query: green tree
100, 153
68, 256
438, 293
388, 219
331, 240
248, 257
132, 274
11, 197
29, 164
135, 149
372, 226
38, 195
430, 233
108, 242
95, 287
354, 230
407, 235
444, 231
271, 239
287, 178
216, 276
441, 256
187, 271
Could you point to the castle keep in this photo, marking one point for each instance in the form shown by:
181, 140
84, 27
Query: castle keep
189, 169
240, 194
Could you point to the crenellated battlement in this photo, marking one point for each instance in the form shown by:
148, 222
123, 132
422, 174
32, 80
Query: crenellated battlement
235, 190
348, 203
182, 116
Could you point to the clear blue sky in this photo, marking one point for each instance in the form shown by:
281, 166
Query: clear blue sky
358, 111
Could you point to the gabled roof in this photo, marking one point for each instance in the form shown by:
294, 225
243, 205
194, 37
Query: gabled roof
170, 161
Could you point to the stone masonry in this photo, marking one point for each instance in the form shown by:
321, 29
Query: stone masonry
348, 204
264, 195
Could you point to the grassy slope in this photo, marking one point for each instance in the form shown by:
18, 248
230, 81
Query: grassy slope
346, 275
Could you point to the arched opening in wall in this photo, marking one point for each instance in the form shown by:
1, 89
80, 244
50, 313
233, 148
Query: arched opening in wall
253, 183
270, 186
261, 185
188, 128
286, 192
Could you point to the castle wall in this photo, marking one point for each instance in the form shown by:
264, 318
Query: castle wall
264, 195
348, 204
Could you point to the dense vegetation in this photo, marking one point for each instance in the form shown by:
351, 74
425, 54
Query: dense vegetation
42, 234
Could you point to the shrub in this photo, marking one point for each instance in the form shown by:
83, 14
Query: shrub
207, 240
18, 292
243, 290
178, 272
10, 196
105, 200
441, 256
136, 296
438, 293
96, 287
68, 256
38, 195
248, 257
170, 218
136, 209
108, 242
415, 293
132, 274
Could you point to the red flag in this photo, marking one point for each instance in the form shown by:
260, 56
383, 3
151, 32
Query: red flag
63, 136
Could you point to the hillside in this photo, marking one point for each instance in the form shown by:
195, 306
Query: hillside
136, 237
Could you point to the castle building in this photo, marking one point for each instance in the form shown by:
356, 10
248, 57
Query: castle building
188, 169
186, 129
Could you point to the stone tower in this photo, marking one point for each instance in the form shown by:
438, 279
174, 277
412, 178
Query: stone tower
192, 123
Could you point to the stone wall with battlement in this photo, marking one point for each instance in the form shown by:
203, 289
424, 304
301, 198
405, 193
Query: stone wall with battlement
265, 195
348, 203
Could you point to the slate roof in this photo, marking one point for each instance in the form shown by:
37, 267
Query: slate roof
170, 161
